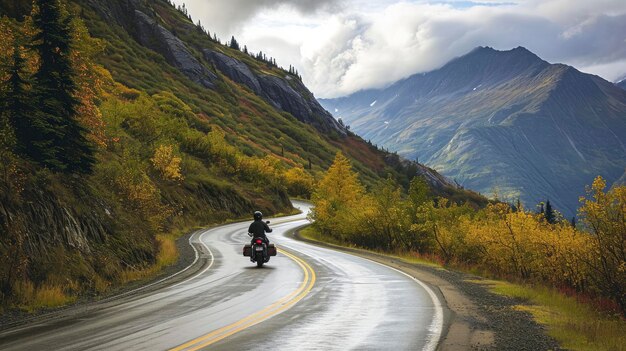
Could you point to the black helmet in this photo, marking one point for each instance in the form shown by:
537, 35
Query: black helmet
258, 215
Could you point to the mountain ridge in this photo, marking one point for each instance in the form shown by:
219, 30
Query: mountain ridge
489, 114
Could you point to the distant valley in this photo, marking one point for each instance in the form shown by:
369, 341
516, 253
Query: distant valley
500, 121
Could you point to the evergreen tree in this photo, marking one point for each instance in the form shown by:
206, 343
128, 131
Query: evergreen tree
549, 213
233, 43
16, 101
59, 141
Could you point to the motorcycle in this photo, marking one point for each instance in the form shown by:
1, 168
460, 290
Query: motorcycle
259, 251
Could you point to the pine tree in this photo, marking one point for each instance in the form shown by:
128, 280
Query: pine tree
59, 141
549, 213
233, 43
16, 101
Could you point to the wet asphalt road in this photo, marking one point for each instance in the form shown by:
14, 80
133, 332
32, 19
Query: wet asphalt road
306, 298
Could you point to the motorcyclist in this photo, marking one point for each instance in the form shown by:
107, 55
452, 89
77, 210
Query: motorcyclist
258, 228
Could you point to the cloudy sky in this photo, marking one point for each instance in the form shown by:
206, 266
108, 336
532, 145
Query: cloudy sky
341, 46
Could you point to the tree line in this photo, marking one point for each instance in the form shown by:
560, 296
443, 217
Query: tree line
235, 45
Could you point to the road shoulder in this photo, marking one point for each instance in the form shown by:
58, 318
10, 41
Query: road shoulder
184, 267
474, 317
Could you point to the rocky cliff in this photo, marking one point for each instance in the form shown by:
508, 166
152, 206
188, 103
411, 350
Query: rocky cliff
152, 35
283, 91
79, 237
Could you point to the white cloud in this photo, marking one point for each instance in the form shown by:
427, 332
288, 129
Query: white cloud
228, 17
341, 46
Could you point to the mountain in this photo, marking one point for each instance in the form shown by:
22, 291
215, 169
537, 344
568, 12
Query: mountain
186, 131
621, 84
621, 180
500, 120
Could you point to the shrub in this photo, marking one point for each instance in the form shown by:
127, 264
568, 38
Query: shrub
167, 163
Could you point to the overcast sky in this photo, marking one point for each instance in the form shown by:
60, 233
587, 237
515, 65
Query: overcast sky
341, 46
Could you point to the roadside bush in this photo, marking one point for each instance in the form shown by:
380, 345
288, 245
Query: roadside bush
505, 241
299, 182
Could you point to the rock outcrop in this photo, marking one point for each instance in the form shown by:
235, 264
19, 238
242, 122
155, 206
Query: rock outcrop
132, 16
234, 69
285, 93
46, 223
121, 12
154, 36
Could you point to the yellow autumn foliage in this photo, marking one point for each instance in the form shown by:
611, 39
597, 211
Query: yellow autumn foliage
340, 202
299, 182
506, 241
167, 163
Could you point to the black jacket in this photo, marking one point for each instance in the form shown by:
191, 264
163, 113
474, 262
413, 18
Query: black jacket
259, 228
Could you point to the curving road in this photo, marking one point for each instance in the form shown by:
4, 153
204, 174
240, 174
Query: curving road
306, 298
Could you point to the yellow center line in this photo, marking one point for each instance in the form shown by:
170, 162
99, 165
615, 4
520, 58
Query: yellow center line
257, 317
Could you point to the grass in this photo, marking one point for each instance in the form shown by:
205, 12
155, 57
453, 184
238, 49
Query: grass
167, 255
36, 297
575, 325
310, 233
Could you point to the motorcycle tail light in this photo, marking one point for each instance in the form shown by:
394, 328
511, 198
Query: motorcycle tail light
258, 241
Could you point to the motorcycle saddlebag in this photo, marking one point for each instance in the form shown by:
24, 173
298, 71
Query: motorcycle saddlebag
271, 249
247, 250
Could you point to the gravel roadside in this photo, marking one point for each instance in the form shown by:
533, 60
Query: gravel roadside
475, 318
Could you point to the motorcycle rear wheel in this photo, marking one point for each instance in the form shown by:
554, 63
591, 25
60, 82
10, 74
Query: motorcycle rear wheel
259, 260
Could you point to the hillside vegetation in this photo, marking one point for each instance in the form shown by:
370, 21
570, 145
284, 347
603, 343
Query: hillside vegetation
160, 141
586, 259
